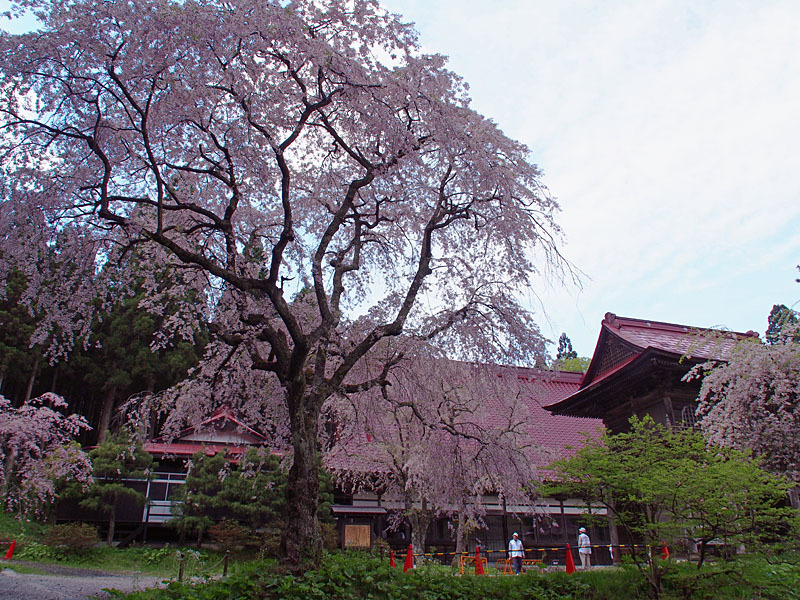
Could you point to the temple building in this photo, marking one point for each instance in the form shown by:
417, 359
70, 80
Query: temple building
639, 367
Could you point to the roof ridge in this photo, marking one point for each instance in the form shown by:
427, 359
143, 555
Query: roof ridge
617, 322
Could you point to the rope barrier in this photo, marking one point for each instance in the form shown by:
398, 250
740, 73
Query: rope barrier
539, 549
222, 561
504, 565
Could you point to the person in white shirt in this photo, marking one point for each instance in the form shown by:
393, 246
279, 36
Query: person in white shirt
516, 552
584, 549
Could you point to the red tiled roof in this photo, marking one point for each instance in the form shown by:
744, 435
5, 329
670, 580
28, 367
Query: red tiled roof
697, 342
623, 341
188, 449
556, 436
221, 418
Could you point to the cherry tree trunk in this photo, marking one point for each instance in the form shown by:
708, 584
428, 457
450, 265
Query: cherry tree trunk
420, 521
301, 543
462, 531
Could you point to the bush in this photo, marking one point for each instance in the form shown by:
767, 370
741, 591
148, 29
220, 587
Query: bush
271, 541
359, 576
330, 536
71, 536
229, 535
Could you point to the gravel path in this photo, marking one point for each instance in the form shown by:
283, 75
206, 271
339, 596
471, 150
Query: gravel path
68, 583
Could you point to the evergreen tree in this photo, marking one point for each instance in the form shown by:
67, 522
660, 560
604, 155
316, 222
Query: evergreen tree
256, 491
198, 498
779, 318
117, 459
120, 361
565, 350
251, 491
115, 362
16, 327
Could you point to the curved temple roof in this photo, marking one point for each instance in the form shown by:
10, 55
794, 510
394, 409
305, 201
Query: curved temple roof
624, 344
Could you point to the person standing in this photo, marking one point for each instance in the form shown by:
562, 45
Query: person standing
584, 549
516, 552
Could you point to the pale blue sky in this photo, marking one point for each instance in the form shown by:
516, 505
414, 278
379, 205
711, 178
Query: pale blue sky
669, 131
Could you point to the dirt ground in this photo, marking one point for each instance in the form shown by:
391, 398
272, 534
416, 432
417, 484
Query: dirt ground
63, 583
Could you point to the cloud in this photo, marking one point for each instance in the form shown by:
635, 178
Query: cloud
668, 131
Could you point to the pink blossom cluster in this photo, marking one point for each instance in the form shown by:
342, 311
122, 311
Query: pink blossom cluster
37, 452
753, 401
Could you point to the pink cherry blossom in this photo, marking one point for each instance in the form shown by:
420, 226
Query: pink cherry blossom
305, 162
36, 453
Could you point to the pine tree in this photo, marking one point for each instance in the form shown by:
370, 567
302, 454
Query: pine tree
117, 459
779, 318
16, 327
251, 491
565, 350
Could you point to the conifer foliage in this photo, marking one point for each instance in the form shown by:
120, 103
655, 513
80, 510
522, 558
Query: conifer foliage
251, 491
119, 458
565, 350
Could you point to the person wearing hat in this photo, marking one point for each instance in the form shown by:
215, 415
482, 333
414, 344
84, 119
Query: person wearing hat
516, 552
584, 549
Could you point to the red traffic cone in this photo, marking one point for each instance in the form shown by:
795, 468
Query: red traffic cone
570, 561
10, 554
391, 559
664, 551
409, 564
478, 562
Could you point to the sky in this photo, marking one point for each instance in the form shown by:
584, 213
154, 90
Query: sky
669, 132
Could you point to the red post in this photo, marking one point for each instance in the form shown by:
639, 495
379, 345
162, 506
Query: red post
570, 561
478, 562
391, 559
10, 554
409, 564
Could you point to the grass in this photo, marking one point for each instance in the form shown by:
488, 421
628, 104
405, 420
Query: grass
25, 569
367, 577
147, 560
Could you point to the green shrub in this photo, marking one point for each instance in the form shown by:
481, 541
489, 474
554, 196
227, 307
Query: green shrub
229, 534
38, 552
359, 576
71, 536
